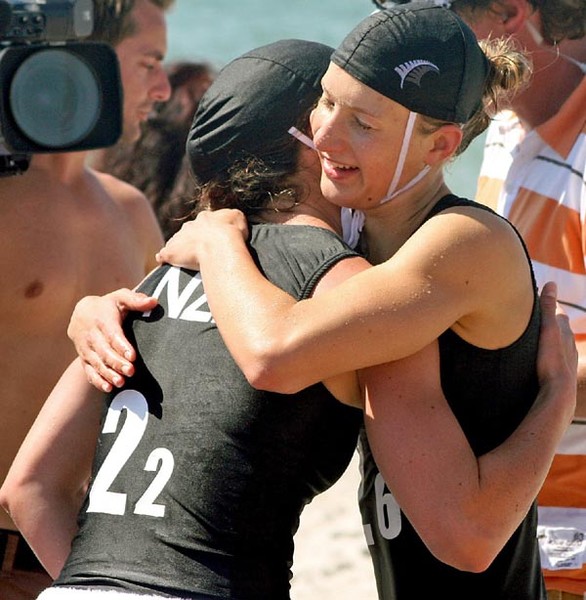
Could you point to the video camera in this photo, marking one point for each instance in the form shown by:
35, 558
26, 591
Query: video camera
57, 94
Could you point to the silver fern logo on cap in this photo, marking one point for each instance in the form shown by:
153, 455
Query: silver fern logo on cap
414, 70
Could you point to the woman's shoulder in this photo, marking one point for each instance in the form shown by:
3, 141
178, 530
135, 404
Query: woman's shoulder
452, 200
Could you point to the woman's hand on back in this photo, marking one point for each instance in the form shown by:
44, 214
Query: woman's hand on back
184, 248
96, 331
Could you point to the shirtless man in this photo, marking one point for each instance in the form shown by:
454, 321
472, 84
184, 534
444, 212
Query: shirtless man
67, 231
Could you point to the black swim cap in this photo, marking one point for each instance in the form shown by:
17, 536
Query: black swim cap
422, 56
253, 102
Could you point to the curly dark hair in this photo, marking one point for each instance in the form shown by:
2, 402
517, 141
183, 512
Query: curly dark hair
255, 184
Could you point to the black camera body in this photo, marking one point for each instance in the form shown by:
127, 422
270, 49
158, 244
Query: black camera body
58, 93
55, 21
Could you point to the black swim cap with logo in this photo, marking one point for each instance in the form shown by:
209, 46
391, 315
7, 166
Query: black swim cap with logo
420, 55
253, 102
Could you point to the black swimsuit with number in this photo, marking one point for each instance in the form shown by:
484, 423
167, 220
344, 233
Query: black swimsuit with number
490, 391
199, 479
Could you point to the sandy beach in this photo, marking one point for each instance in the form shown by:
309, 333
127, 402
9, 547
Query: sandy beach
331, 557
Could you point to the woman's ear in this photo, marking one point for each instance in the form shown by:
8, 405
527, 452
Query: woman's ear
503, 18
514, 14
445, 142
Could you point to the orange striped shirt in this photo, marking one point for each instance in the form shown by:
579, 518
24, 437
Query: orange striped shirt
537, 180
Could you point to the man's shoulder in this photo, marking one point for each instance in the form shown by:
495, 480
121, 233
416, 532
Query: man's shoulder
119, 190
137, 209
129, 199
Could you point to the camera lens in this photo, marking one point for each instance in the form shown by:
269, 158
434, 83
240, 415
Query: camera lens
55, 98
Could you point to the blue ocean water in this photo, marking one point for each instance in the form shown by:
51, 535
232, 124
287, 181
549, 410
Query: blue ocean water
219, 30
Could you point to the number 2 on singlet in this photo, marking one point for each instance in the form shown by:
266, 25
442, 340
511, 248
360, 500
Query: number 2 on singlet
101, 499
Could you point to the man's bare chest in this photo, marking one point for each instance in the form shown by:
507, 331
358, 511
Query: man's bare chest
50, 269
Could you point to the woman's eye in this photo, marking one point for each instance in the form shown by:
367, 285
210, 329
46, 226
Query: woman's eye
363, 125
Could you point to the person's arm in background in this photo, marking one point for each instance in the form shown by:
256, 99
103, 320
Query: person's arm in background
47, 481
466, 508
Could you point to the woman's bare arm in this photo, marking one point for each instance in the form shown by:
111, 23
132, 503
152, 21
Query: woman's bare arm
465, 508
437, 280
46, 484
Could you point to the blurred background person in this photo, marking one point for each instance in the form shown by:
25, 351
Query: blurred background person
156, 162
68, 231
533, 173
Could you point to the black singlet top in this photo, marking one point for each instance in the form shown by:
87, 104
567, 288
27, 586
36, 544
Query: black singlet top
490, 391
199, 479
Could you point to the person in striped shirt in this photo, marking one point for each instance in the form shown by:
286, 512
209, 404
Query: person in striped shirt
533, 173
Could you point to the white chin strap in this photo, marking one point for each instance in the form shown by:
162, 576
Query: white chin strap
352, 224
393, 192
299, 135
353, 220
